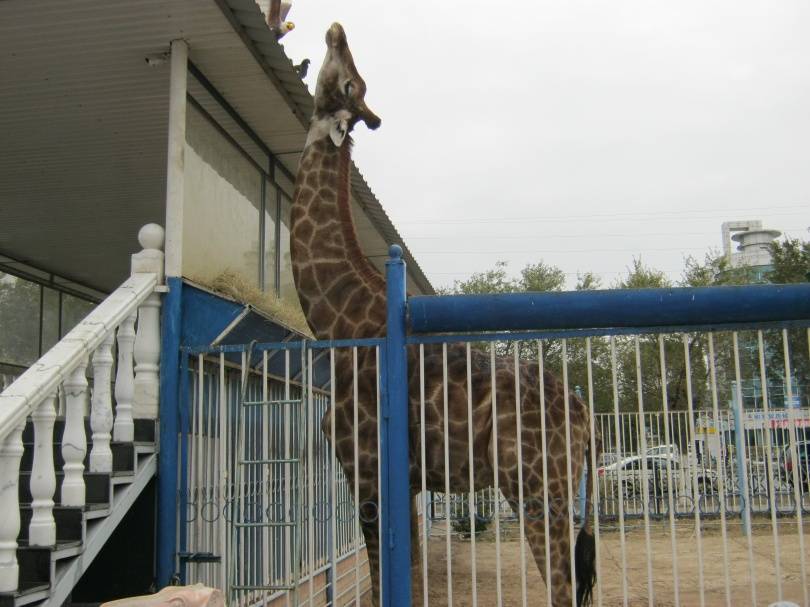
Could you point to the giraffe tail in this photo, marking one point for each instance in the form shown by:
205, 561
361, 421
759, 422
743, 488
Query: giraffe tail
585, 547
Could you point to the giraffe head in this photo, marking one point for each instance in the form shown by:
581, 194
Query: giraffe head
340, 92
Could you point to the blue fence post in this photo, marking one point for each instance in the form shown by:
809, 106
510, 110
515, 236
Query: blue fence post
169, 414
394, 484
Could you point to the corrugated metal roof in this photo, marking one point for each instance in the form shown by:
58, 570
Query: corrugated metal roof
83, 123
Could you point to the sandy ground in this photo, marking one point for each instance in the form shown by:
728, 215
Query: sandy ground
610, 585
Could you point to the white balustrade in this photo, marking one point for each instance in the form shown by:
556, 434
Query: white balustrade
61, 375
74, 440
101, 414
42, 529
123, 428
147, 339
11, 450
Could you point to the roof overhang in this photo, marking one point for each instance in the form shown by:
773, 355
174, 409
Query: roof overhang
84, 117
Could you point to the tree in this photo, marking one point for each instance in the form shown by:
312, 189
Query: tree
588, 282
791, 261
640, 276
541, 277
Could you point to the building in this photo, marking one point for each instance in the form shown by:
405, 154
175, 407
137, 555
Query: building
752, 250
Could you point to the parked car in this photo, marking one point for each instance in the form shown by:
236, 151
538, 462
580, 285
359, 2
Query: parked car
664, 450
632, 473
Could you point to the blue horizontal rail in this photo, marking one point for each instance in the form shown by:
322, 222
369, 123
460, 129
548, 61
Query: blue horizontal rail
682, 307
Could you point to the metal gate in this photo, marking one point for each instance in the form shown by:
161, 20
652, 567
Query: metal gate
266, 511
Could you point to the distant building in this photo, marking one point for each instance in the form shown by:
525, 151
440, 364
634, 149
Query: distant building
753, 246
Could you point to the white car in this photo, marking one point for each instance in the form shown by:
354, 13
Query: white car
631, 471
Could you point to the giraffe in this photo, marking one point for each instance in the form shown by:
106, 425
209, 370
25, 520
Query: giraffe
343, 297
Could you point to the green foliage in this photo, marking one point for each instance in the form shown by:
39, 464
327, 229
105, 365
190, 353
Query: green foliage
689, 360
541, 277
534, 277
640, 276
495, 280
462, 524
791, 261
588, 282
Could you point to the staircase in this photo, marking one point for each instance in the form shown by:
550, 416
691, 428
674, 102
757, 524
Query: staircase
50, 572
73, 460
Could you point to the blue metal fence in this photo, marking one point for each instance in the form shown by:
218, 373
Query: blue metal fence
512, 318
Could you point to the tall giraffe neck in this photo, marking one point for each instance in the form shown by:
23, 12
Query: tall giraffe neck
341, 293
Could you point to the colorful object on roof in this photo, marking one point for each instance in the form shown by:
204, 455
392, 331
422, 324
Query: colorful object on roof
276, 18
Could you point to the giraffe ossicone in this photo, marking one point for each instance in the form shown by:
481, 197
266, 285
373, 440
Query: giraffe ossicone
343, 297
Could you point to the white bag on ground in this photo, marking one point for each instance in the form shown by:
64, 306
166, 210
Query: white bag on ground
174, 596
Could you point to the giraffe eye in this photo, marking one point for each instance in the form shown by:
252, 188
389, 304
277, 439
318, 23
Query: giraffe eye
348, 88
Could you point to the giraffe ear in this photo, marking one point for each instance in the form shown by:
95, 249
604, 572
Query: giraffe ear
338, 130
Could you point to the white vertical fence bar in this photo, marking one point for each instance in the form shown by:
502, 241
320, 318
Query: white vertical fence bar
425, 596
447, 514
619, 455
745, 494
519, 437
223, 474
266, 492
569, 474
284, 473
695, 489
496, 514
333, 475
196, 484
11, 450
797, 482
546, 513
42, 529
670, 496
720, 469
101, 414
592, 470
645, 489
473, 506
355, 429
310, 512
74, 441
771, 489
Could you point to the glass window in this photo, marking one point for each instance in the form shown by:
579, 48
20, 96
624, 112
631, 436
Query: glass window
50, 318
73, 311
19, 320
288, 292
222, 206
270, 218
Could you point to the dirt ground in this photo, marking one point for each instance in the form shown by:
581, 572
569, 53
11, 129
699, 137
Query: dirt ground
610, 584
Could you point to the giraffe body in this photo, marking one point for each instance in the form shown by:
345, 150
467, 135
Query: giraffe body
343, 297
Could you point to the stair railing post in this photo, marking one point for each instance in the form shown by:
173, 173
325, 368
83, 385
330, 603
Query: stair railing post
101, 415
123, 427
42, 529
147, 338
11, 450
74, 440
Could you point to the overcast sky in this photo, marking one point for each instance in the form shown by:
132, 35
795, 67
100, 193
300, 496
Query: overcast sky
577, 133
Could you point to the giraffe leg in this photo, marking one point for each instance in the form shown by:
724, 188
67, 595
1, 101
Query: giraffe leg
559, 547
371, 533
416, 557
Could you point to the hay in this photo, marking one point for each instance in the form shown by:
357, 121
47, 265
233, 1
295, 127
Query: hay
235, 286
